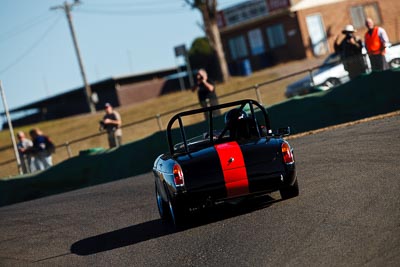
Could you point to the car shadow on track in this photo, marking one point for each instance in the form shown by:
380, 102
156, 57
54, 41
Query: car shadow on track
121, 238
157, 228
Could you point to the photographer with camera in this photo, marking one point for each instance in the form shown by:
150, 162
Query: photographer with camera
205, 91
112, 124
350, 51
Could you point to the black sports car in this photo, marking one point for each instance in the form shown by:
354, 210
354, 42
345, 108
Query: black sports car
235, 156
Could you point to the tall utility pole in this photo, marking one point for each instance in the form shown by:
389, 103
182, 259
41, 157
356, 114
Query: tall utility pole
88, 91
10, 127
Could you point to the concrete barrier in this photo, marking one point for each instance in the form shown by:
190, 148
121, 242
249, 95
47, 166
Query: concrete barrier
374, 94
85, 170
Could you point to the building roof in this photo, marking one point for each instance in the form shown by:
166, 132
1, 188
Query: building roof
147, 74
305, 4
131, 78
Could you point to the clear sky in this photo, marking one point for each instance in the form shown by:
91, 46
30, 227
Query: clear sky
119, 37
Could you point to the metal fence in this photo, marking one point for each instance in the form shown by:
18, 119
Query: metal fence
65, 150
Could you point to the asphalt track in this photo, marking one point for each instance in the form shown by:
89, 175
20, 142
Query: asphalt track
348, 213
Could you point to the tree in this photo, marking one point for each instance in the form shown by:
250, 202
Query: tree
202, 55
208, 10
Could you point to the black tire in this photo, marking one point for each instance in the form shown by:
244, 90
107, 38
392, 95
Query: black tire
332, 82
163, 208
177, 212
394, 63
290, 191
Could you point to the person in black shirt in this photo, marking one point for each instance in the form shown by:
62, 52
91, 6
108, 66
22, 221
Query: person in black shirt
350, 51
112, 124
205, 91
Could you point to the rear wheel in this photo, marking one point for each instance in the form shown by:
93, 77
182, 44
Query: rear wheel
330, 83
394, 63
290, 191
177, 212
162, 205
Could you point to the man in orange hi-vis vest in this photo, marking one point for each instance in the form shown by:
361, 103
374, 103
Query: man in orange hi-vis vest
376, 41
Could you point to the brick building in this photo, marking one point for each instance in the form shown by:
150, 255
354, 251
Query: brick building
260, 33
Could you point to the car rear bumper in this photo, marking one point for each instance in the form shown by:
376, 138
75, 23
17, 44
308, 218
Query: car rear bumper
262, 184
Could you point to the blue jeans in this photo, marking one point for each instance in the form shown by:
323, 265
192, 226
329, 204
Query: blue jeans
43, 161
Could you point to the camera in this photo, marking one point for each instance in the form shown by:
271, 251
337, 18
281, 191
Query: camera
102, 126
349, 35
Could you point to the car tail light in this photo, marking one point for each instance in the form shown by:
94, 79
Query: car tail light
287, 153
178, 175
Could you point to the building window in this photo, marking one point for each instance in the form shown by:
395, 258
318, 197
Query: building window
256, 42
237, 47
317, 34
361, 12
276, 36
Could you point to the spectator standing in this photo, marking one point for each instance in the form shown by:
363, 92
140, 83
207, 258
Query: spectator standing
350, 51
205, 91
27, 159
42, 149
376, 41
112, 124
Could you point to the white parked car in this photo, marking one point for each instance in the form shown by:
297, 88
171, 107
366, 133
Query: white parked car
332, 73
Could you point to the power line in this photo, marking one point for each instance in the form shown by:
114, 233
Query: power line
144, 8
140, 12
23, 27
137, 4
32, 47
154, 3
27, 22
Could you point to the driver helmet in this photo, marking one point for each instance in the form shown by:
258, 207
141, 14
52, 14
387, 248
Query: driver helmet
234, 115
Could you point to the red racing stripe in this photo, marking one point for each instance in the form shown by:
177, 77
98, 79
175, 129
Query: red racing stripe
234, 169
